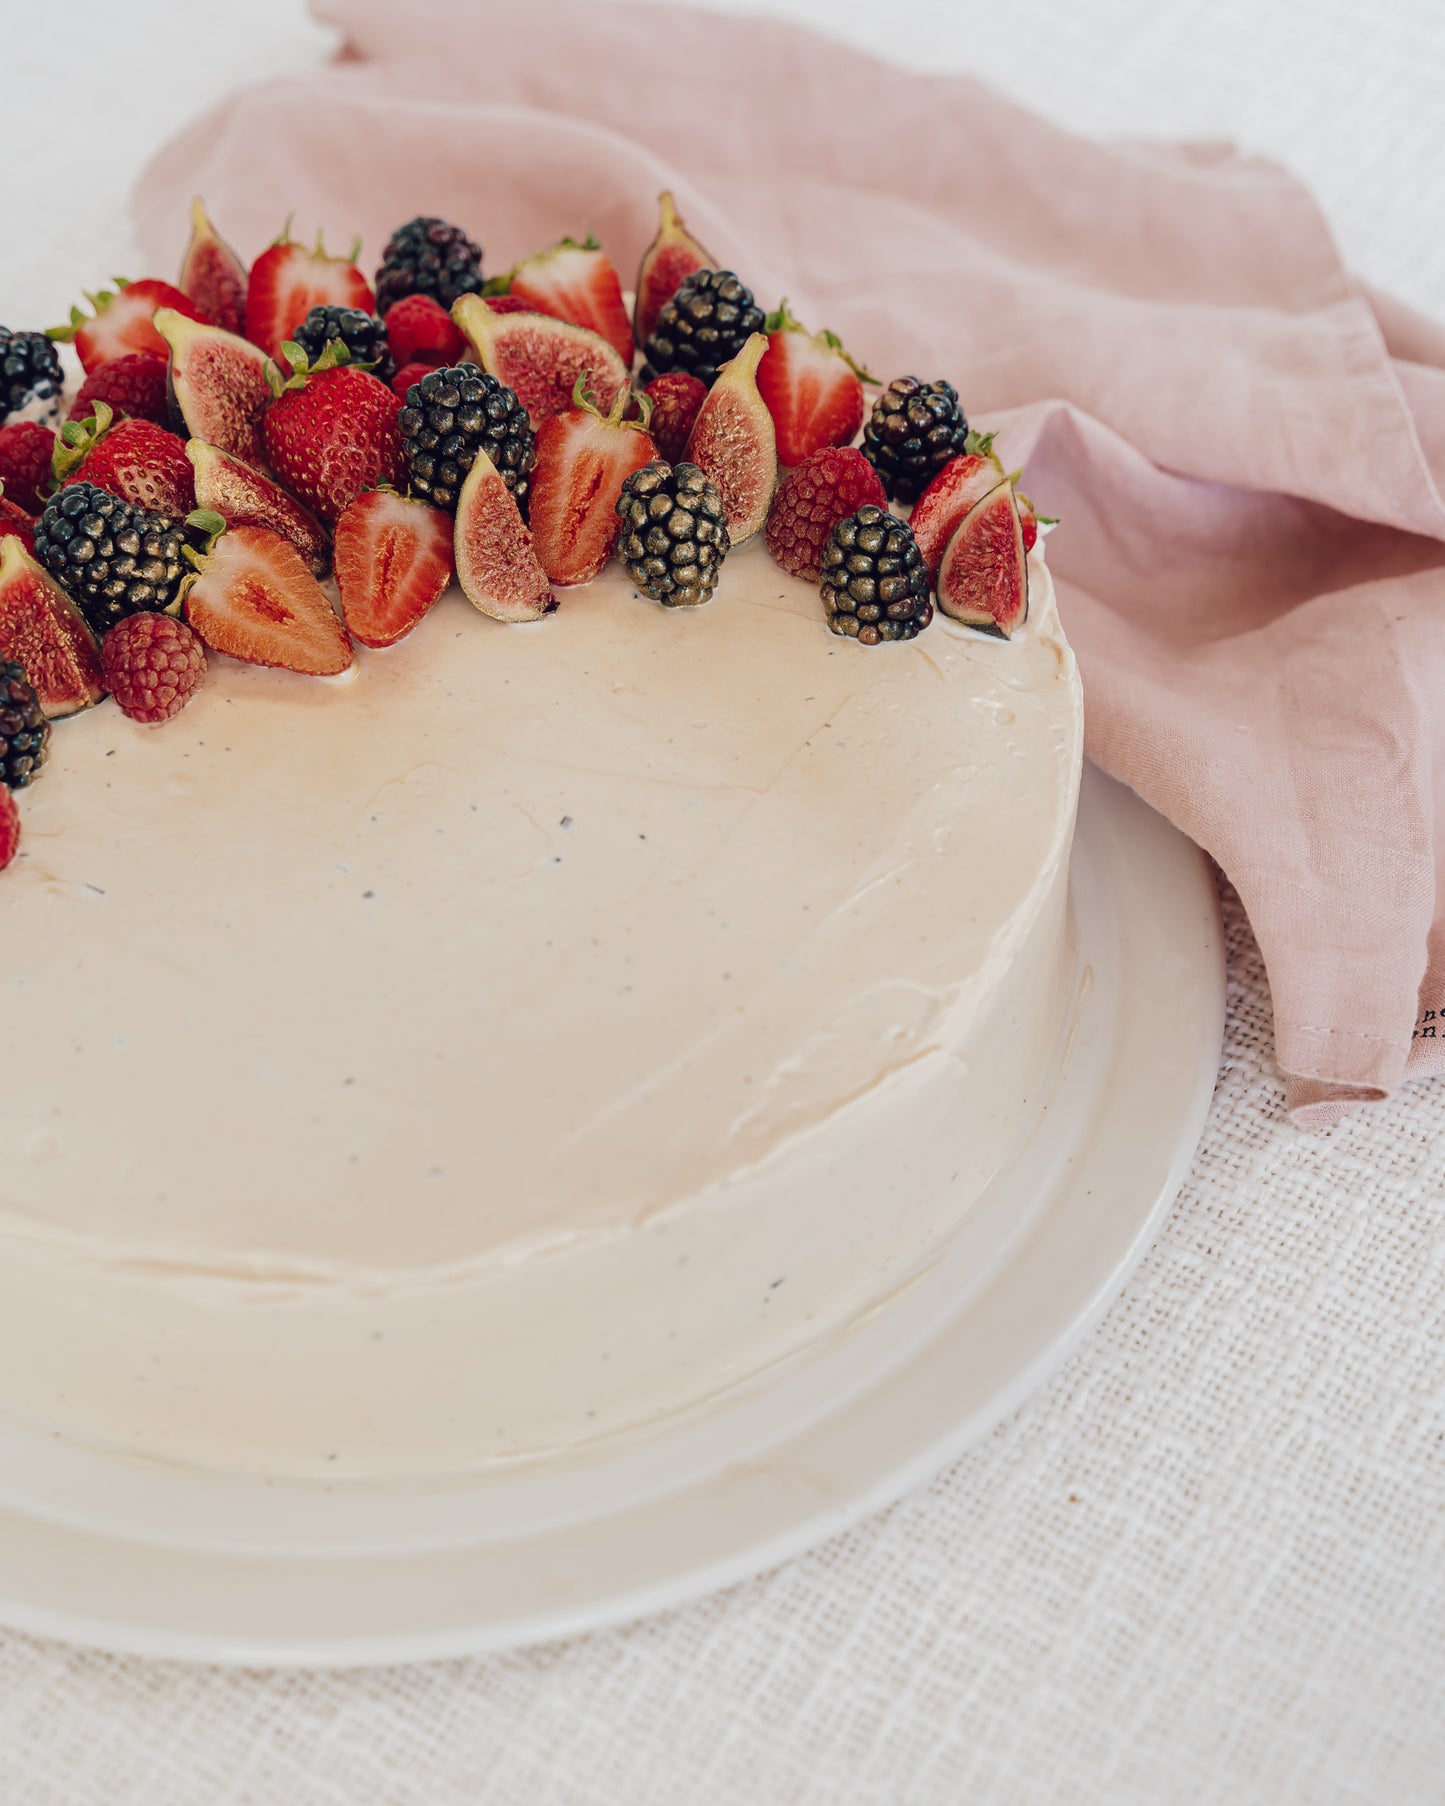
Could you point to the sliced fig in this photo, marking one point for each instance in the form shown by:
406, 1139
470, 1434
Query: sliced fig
246, 497
42, 631
983, 579
256, 600
673, 254
497, 565
212, 275
734, 441
217, 384
540, 358
963, 481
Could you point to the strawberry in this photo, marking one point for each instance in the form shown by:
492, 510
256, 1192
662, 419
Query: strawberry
676, 398
287, 281
812, 388
15, 523
409, 374
420, 331
134, 387
331, 431
577, 283
983, 577
9, 828
26, 449
135, 459
583, 458
256, 600
393, 558
122, 322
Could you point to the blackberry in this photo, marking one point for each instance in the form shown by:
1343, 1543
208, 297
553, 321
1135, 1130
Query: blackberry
874, 584
706, 323
362, 333
914, 429
428, 257
113, 559
24, 731
29, 371
451, 415
674, 533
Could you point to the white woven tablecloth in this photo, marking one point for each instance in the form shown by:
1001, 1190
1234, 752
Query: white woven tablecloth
1207, 1563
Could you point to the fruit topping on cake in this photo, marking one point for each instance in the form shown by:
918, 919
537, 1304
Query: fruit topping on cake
26, 449
43, 632
733, 443
15, 523
960, 483
363, 335
212, 275
813, 388
497, 565
255, 599
450, 416
137, 460
576, 282
29, 372
393, 561
153, 665
132, 387
674, 533
705, 324
811, 500
540, 358
913, 430
332, 430
24, 729
218, 384
583, 459
673, 254
112, 558
123, 321
675, 400
287, 281
874, 586
983, 579
246, 497
421, 331
428, 256
9, 828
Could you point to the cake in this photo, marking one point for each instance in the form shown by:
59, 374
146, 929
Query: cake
534, 1036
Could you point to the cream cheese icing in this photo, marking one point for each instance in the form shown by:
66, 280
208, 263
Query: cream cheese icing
536, 1037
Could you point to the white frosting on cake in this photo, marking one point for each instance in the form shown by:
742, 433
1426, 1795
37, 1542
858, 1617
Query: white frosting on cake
544, 1033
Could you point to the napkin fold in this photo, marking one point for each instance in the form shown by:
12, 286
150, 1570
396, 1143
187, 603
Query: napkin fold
1245, 444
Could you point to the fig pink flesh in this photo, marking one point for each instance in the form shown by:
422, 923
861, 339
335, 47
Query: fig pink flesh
540, 358
496, 564
983, 579
734, 442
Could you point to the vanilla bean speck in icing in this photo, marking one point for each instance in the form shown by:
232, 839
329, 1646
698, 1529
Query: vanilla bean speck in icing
446, 1067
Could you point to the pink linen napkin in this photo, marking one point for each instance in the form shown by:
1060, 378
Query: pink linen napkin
1246, 446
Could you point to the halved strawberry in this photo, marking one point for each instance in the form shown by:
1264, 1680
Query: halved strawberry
256, 600
577, 283
420, 331
954, 490
583, 458
121, 323
287, 281
813, 389
497, 565
393, 559
983, 579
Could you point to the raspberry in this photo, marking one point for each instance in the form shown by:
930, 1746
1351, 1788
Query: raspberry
824, 489
9, 828
409, 373
26, 448
133, 386
420, 331
675, 400
154, 664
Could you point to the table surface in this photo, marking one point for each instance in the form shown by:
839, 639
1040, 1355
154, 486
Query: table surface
1207, 1562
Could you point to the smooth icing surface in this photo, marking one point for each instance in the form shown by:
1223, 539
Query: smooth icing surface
542, 1033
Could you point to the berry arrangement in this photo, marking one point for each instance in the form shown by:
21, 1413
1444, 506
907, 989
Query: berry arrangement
247, 432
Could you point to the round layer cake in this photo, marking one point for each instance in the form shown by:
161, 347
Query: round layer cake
543, 1034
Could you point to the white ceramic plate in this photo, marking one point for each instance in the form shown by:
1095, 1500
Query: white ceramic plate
105, 1550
